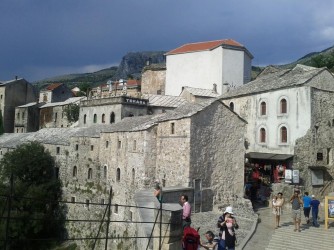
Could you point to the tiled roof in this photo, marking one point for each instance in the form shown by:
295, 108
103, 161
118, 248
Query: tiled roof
201, 92
164, 100
284, 78
53, 86
191, 47
68, 101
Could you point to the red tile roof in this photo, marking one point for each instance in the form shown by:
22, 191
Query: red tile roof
191, 47
53, 86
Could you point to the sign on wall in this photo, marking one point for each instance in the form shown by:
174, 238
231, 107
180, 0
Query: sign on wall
329, 210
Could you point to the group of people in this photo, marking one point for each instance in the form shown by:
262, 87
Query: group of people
297, 203
226, 224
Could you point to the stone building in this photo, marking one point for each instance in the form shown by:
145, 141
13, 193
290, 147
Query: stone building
198, 95
12, 94
154, 79
27, 117
200, 65
130, 87
55, 92
284, 109
129, 155
54, 114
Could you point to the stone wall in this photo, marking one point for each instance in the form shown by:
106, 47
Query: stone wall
153, 81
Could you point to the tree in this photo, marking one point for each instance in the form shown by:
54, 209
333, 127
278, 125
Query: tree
72, 112
35, 191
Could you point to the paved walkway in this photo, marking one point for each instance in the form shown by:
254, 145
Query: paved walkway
267, 238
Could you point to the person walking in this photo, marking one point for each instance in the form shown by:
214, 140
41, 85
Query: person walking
297, 204
277, 208
227, 224
186, 213
307, 208
315, 210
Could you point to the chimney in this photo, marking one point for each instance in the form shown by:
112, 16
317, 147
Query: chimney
226, 88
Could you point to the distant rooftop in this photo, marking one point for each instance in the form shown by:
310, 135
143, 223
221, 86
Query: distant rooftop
201, 92
66, 102
164, 100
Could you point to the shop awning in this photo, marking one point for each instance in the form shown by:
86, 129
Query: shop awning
268, 156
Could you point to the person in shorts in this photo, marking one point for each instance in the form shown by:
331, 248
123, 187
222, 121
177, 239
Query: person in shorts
297, 204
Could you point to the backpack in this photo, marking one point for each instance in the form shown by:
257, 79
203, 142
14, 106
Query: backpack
191, 239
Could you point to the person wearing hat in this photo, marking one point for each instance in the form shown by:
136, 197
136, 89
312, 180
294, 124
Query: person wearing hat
315, 210
227, 224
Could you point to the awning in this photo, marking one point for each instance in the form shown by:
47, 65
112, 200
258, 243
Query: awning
268, 156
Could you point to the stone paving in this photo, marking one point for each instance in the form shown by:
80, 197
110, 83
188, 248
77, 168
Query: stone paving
267, 238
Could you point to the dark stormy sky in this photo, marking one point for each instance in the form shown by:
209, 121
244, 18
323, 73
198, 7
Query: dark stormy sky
44, 38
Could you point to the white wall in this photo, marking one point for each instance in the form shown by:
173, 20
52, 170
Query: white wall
233, 68
297, 120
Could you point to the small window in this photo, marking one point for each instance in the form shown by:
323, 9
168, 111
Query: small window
85, 119
56, 115
1, 97
283, 106
58, 150
284, 135
18, 116
112, 117
57, 173
95, 118
105, 172
107, 144
76, 147
90, 173
87, 203
317, 177
75, 171
119, 144
320, 156
91, 148
134, 145
133, 176
23, 114
103, 118
116, 209
263, 108
172, 128
232, 106
118, 174
73, 199
262, 135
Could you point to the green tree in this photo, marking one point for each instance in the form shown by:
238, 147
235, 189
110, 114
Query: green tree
35, 211
72, 112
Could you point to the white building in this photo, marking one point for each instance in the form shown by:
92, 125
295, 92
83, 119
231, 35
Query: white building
203, 64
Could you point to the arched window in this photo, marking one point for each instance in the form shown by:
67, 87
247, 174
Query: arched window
112, 117
105, 172
90, 173
133, 175
95, 118
85, 119
283, 106
263, 108
103, 118
284, 134
262, 135
118, 175
232, 106
75, 171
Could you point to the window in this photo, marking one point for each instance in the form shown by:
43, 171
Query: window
73, 199
56, 115
133, 175
87, 203
95, 118
90, 173
112, 117
75, 171
76, 147
105, 172
232, 106
118, 175
85, 119
263, 108
58, 150
134, 148
172, 128
283, 106
119, 144
317, 177
103, 118
262, 135
23, 115
320, 156
18, 116
57, 173
107, 144
116, 209
91, 147
284, 135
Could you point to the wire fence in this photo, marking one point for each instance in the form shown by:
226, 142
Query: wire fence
6, 218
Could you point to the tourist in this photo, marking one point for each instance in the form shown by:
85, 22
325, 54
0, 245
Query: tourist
157, 191
296, 203
306, 200
277, 208
227, 224
315, 210
186, 213
210, 243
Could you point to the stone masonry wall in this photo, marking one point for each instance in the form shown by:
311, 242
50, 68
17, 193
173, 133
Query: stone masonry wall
153, 82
